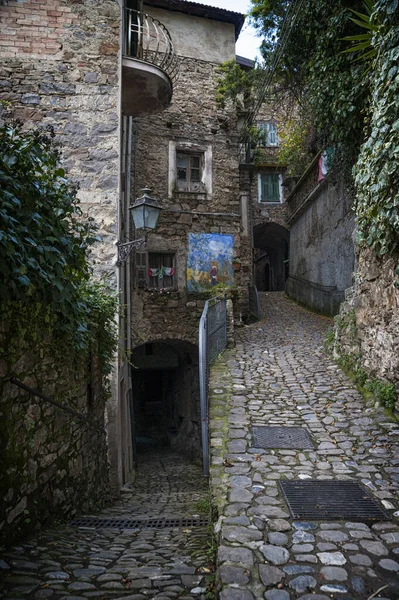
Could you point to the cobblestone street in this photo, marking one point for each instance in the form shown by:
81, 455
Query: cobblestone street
279, 375
76, 564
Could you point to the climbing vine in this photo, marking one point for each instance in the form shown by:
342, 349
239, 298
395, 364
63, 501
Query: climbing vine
347, 88
47, 294
377, 168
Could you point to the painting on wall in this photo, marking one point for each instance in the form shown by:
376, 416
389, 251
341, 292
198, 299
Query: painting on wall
209, 262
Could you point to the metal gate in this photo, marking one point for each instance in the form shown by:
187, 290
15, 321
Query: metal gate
212, 341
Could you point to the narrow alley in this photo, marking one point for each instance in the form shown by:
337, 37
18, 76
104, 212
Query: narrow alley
145, 562
279, 375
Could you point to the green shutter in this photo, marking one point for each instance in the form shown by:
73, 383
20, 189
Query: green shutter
270, 187
275, 188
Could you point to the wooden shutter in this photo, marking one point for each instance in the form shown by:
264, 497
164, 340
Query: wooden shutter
275, 185
270, 187
141, 268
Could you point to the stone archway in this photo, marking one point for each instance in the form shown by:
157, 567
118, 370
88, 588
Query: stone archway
166, 396
271, 252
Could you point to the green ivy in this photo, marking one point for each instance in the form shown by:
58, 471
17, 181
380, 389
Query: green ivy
377, 168
331, 90
46, 290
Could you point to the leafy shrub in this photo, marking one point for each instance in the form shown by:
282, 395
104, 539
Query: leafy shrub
45, 277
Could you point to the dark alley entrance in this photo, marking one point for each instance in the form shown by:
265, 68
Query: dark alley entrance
166, 397
271, 253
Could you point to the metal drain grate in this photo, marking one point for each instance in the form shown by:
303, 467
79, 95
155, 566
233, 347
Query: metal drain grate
121, 523
281, 437
315, 500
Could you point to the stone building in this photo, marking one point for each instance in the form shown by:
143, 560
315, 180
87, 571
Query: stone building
59, 67
263, 177
188, 156
85, 68
100, 74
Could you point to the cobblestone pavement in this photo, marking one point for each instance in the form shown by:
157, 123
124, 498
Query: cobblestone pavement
77, 564
278, 374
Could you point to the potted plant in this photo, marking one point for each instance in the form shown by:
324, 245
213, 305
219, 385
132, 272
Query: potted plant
236, 264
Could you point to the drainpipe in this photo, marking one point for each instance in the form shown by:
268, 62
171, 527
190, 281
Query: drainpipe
251, 221
128, 281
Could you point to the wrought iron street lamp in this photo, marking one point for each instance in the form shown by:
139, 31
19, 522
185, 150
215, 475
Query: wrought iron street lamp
145, 213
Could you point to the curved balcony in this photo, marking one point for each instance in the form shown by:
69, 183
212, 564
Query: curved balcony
149, 64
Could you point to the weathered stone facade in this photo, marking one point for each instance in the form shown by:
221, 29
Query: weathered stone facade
267, 218
59, 67
370, 317
53, 465
165, 317
322, 255
192, 121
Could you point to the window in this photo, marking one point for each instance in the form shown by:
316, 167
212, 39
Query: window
268, 134
190, 169
189, 172
269, 188
161, 271
155, 270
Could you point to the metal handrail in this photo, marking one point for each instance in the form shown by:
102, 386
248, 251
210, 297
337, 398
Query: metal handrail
204, 361
147, 39
42, 396
254, 306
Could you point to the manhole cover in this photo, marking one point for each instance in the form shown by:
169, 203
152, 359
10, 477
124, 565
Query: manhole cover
315, 500
125, 523
281, 437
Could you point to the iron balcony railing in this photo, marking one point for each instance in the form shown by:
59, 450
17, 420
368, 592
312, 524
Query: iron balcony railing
147, 39
304, 188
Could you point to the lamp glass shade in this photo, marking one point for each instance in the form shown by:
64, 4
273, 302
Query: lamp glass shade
145, 212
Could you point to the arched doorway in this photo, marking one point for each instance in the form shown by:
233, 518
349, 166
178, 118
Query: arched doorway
271, 253
166, 403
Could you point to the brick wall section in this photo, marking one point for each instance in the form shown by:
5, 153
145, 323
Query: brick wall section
66, 75
34, 27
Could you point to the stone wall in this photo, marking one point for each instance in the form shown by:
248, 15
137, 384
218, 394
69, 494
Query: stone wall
322, 257
368, 324
176, 314
53, 465
59, 67
192, 119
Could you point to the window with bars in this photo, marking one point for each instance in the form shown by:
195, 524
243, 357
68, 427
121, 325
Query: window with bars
268, 134
269, 188
189, 172
155, 270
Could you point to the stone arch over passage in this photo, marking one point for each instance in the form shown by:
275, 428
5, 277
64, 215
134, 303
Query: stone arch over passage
271, 253
166, 404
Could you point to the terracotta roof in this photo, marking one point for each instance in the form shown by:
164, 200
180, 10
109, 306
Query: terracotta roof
201, 10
